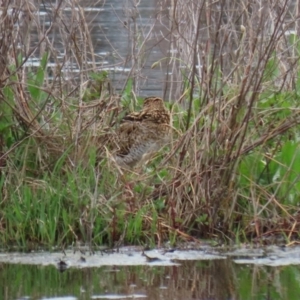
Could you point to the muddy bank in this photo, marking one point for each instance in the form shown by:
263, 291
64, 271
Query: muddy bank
269, 256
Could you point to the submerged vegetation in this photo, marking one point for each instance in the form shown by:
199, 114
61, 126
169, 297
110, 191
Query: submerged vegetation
232, 168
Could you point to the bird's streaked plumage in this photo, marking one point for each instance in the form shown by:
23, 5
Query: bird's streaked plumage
142, 133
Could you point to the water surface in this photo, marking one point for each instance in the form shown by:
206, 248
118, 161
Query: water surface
262, 273
126, 41
219, 279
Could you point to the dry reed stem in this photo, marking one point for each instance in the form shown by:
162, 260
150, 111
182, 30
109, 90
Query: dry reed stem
218, 53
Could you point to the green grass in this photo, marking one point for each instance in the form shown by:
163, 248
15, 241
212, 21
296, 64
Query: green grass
231, 171
55, 192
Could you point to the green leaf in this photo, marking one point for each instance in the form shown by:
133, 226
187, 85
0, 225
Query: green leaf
36, 81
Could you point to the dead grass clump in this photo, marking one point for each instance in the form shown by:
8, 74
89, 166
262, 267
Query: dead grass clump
235, 57
232, 82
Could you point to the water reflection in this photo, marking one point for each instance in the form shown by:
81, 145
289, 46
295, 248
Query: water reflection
219, 279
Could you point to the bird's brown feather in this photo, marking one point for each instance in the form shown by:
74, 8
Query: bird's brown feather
143, 132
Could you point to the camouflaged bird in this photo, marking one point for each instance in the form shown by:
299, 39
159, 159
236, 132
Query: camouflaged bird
143, 133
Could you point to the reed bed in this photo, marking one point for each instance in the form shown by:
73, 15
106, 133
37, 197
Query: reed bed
231, 171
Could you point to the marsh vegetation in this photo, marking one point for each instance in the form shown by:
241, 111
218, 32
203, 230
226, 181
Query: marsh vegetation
231, 171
